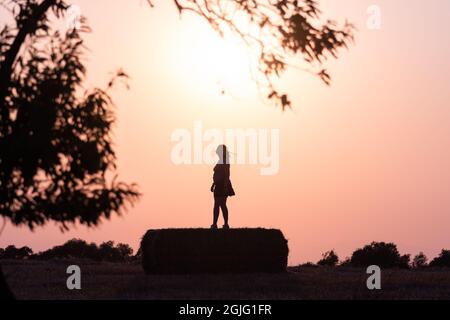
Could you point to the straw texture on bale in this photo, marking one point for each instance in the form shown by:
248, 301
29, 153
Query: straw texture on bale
186, 251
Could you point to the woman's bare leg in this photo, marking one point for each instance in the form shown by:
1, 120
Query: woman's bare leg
224, 210
216, 211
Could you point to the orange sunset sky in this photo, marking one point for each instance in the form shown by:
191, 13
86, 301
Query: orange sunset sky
366, 159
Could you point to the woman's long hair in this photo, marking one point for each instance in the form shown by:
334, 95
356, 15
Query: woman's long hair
224, 155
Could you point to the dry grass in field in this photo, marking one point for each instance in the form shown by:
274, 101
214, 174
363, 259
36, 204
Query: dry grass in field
47, 280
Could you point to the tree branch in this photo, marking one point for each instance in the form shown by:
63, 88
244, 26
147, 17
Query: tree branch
29, 27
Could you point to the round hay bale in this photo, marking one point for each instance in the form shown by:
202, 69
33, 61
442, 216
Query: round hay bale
185, 251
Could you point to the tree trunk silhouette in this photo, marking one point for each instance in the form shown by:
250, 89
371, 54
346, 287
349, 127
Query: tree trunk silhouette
5, 291
5, 79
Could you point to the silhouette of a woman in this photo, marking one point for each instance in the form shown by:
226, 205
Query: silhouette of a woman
221, 186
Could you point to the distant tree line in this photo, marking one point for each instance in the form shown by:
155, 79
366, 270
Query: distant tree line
384, 255
74, 249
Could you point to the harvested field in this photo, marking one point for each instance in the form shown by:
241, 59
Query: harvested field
101, 280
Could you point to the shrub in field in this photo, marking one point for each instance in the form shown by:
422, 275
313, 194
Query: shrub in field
307, 265
77, 248
443, 260
11, 252
184, 251
347, 262
118, 253
420, 261
329, 259
384, 255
